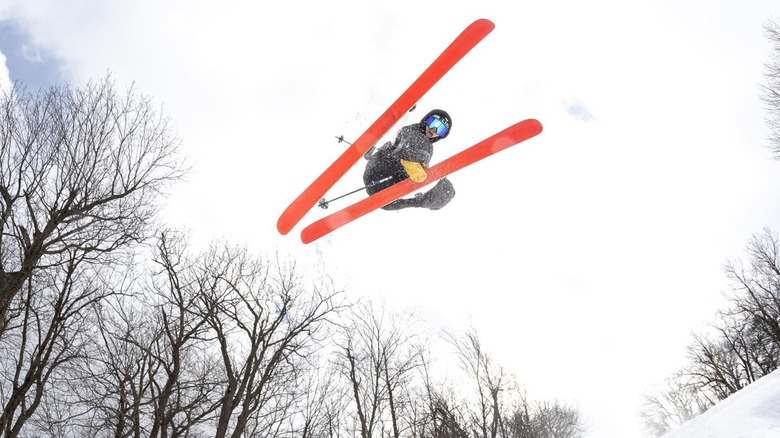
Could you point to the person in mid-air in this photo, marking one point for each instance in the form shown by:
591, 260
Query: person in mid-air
408, 157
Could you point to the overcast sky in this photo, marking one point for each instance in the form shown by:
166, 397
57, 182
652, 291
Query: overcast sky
584, 257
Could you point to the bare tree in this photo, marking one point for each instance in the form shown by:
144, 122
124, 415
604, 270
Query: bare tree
756, 298
380, 352
519, 420
715, 367
147, 371
44, 339
320, 405
266, 325
556, 420
80, 174
489, 382
107, 391
80, 171
113, 386
217, 344
771, 91
742, 345
441, 414
184, 383
745, 342
499, 408
677, 402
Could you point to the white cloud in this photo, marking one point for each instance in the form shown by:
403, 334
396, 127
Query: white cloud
5, 77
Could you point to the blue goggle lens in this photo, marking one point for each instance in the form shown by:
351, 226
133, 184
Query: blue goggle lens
436, 123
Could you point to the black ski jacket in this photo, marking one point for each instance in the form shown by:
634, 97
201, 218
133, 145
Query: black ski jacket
411, 144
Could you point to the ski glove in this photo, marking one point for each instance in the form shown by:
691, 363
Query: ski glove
416, 171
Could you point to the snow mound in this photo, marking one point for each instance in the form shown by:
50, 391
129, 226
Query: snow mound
752, 412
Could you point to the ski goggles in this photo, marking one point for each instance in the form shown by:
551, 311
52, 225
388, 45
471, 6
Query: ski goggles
437, 124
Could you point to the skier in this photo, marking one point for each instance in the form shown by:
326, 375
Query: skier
408, 157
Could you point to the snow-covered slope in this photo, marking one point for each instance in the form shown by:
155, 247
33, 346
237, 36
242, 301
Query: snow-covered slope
753, 412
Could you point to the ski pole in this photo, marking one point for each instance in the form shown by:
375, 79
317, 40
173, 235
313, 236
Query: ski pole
341, 139
324, 203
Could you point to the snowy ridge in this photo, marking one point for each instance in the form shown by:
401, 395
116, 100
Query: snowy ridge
753, 412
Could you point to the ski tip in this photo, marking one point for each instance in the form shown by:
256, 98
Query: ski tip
484, 23
283, 226
311, 233
532, 127
536, 124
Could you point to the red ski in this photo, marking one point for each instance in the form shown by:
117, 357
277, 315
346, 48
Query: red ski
508, 137
466, 41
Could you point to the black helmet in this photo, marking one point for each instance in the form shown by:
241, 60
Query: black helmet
443, 117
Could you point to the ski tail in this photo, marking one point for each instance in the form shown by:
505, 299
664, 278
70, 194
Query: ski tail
466, 41
510, 136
